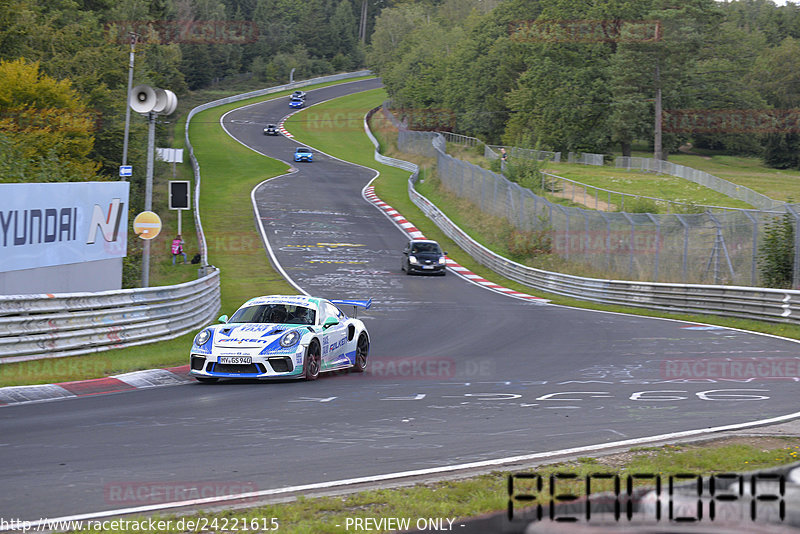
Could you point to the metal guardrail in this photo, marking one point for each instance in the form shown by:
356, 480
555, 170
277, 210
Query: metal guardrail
34, 327
43, 326
774, 305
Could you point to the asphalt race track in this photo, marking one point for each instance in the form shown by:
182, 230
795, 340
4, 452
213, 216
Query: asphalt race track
457, 373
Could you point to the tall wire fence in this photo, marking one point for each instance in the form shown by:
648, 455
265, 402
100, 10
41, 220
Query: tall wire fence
718, 246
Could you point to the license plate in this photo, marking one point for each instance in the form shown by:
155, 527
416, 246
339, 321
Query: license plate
427, 266
235, 359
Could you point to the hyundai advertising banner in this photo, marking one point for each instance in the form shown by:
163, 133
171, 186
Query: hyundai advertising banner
43, 225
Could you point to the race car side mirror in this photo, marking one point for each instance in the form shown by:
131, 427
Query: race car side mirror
330, 321
223, 319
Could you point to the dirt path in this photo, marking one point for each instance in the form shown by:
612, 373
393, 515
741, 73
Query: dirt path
570, 190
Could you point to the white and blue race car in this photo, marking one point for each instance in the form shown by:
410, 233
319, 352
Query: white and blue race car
280, 336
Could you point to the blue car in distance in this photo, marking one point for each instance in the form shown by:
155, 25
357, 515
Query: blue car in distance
296, 103
303, 154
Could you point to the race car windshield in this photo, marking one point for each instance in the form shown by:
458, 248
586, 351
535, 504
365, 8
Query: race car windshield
303, 150
430, 248
275, 313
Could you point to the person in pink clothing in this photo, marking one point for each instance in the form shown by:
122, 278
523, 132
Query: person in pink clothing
177, 249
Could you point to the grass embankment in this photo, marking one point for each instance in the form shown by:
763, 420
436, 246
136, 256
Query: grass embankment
748, 171
660, 186
229, 172
778, 184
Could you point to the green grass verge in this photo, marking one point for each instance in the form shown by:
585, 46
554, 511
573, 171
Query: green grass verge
749, 172
459, 499
777, 184
229, 172
662, 186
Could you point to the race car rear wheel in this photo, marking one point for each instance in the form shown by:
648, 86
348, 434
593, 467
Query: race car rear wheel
312, 362
362, 351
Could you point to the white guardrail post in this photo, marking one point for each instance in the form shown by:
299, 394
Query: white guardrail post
765, 304
35, 327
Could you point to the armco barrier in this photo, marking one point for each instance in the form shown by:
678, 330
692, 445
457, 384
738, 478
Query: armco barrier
34, 327
52, 326
775, 305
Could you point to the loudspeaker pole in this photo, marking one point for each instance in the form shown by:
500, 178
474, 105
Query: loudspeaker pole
148, 193
152, 102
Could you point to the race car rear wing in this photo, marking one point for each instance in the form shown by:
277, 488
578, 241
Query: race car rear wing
355, 304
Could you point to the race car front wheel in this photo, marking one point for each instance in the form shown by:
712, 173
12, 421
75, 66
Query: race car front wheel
362, 351
313, 361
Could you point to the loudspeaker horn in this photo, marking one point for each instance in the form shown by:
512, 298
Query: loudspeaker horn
142, 99
166, 102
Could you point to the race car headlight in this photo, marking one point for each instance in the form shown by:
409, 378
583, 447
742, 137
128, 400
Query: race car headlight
290, 338
442, 260
412, 259
202, 337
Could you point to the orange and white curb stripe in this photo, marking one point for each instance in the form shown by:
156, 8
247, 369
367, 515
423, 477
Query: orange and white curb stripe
460, 270
96, 386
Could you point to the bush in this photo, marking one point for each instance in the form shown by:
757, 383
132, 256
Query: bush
522, 244
639, 205
776, 253
528, 174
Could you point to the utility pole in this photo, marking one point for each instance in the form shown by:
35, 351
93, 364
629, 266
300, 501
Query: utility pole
148, 193
658, 149
362, 27
133, 37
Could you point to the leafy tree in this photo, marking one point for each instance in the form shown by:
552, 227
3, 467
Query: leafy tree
722, 82
392, 27
483, 67
343, 30
44, 121
777, 76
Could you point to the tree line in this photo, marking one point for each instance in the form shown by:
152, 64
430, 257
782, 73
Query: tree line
595, 75
64, 67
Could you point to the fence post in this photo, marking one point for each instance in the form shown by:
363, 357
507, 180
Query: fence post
633, 237
685, 244
754, 264
796, 269
607, 240
658, 245
586, 238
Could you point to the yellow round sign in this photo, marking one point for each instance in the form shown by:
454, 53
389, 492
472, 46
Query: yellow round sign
147, 225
